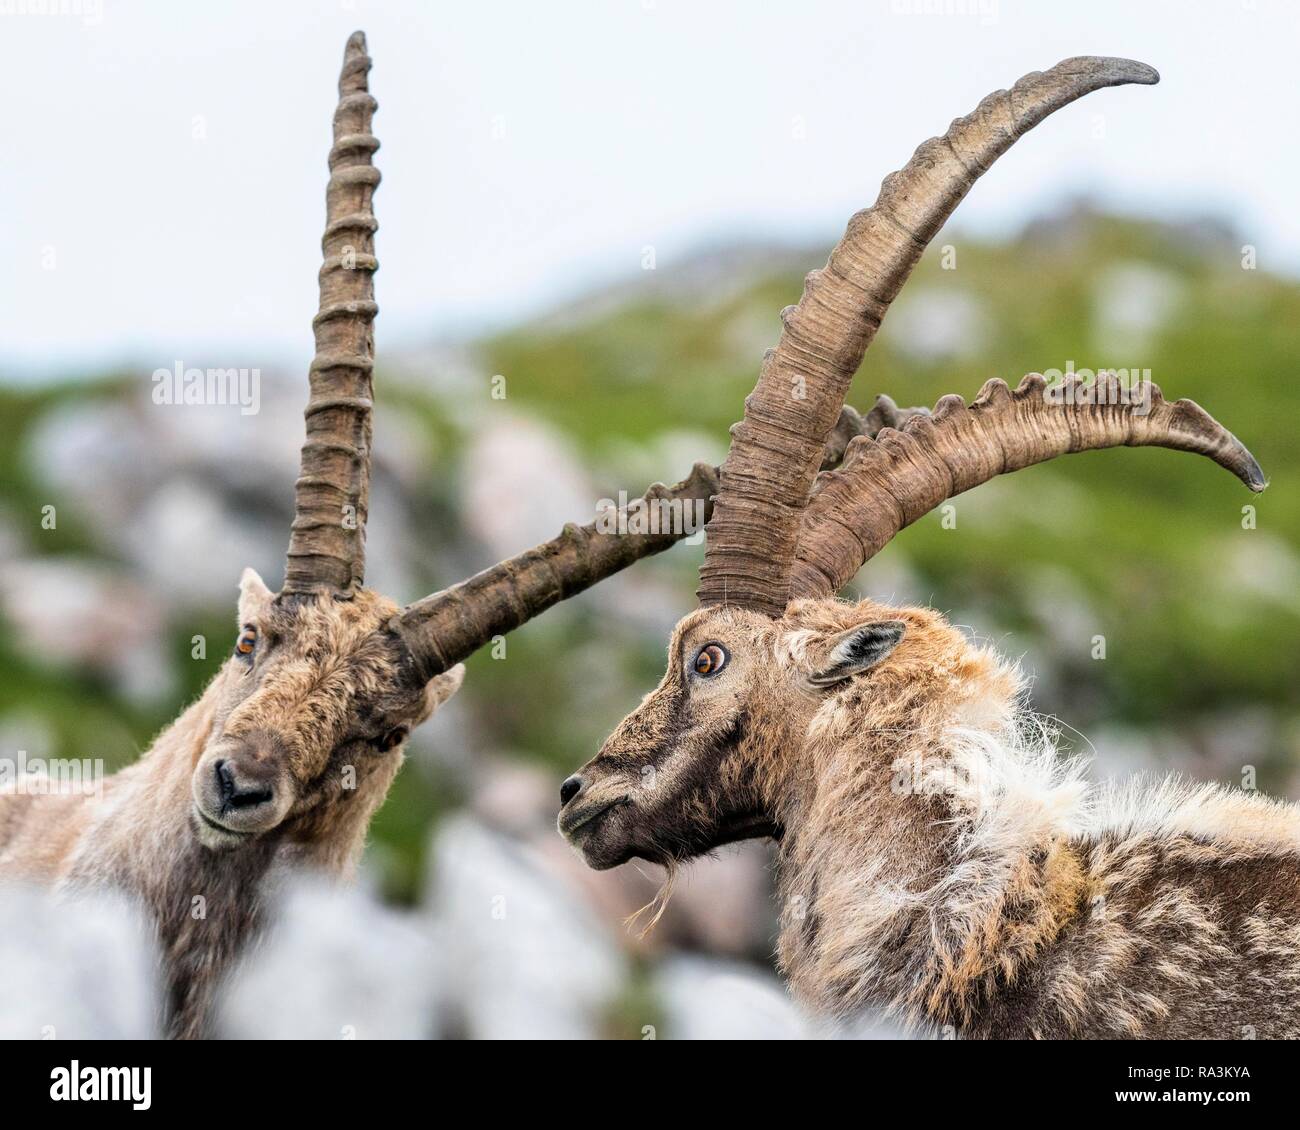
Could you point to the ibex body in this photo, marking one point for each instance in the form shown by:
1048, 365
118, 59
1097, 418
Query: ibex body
294, 743
935, 863
936, 860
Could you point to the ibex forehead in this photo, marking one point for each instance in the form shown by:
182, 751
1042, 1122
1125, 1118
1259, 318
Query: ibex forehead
331, 621
698, 626
334, 663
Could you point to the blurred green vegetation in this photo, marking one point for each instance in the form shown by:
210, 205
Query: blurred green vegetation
1201, 617
1153, 539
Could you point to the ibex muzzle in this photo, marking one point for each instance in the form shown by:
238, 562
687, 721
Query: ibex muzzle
246, 792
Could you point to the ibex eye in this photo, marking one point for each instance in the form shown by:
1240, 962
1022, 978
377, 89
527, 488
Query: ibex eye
711, 659
247, 640
392, 739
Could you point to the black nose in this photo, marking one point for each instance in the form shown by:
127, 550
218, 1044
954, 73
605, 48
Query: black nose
570, 789
237, 795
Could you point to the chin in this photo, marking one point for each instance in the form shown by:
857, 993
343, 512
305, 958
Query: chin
600, 857
214, 837
601, 840
600, 850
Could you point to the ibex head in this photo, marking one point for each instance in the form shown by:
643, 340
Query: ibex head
316, 703
706, 757
703, 760
325, 681
328, 677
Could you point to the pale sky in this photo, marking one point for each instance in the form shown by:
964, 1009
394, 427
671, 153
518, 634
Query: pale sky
162, 189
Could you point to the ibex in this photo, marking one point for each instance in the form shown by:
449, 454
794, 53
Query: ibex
937, 863
294, 743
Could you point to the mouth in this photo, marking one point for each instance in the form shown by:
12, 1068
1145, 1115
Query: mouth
755, 825
229, 835
579, 823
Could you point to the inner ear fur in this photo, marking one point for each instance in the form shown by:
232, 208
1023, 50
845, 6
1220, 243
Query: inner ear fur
856, 650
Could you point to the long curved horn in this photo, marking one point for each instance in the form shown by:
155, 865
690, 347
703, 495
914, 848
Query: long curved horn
777, 447
887, 483
332, 494
451, 625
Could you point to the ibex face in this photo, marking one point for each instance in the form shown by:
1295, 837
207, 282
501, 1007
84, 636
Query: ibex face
315, 706
701, 762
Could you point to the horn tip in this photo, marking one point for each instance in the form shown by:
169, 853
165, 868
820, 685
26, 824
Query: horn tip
1133, 71
1114, 69
1252, 474
356, 65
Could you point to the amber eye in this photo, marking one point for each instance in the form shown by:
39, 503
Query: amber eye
711, 659
392, 739
247, 640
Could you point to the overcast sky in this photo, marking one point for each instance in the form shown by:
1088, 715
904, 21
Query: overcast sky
162, 188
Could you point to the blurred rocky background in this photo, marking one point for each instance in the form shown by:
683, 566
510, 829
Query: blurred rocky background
1160, 620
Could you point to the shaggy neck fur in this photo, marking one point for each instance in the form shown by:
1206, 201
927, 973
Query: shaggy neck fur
898, 888
941, 865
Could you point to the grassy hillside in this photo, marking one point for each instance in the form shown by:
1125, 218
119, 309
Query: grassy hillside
1146, 548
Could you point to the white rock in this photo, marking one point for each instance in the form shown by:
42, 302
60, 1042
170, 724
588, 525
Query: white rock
521, 484
529, 960
707, 999
335, 964
938, 324
66, 610
1131, 303
81, 967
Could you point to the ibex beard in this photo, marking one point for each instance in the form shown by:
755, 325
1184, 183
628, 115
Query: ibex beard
937, 861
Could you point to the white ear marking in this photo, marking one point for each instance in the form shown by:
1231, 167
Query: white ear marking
857, 650
254, 596
442, 687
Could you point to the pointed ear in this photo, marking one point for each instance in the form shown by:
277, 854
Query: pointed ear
254, 597
442, 687
856, 650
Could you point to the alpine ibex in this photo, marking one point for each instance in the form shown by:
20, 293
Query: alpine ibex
294, 743
937, 862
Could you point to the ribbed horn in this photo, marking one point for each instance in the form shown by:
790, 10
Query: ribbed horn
332, 494
889, 482
777, 448
448, 626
